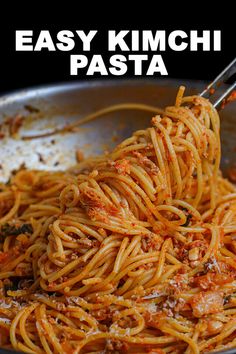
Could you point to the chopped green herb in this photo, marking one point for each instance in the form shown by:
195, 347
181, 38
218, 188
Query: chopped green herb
183, 208
12, 230
189, 217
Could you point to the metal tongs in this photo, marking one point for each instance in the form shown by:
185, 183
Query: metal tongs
226, 74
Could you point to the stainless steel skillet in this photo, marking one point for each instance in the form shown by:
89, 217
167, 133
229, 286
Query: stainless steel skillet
44, 108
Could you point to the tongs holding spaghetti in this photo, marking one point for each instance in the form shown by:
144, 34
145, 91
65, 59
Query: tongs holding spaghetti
229, 94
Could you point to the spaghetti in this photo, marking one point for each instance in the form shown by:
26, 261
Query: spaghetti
131, 252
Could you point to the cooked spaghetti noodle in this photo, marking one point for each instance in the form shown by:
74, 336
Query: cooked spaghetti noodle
131, 252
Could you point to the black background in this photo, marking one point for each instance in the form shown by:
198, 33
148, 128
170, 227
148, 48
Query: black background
24, 69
